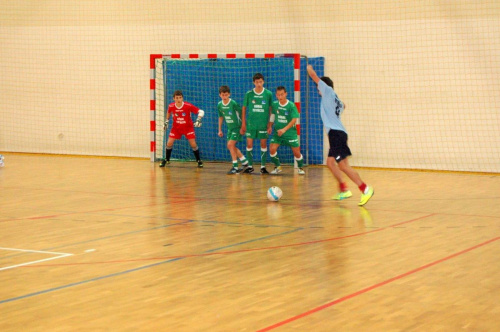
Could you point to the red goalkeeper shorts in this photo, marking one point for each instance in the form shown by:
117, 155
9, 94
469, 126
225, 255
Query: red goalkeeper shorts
179, 131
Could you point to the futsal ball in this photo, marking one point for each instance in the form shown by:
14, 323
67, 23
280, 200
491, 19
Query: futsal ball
274, 194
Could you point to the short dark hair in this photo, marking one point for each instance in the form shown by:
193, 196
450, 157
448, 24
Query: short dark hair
178, 93
224, 88
281, 88
257, 76
328, 81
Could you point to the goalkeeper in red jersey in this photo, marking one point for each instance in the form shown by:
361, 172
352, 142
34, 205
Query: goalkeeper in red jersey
182, 125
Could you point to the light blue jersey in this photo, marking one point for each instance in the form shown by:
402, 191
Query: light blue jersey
331, 108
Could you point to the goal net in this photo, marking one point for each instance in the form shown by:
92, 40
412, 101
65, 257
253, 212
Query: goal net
199, 78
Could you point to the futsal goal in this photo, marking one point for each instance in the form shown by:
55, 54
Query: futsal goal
199, 77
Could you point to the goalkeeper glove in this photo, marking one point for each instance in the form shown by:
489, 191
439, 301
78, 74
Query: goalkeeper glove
197, 123
165, 125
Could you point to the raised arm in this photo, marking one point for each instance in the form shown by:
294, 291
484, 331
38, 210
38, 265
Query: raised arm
312, 73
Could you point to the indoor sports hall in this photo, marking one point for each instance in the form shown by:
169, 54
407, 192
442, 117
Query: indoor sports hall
94, 236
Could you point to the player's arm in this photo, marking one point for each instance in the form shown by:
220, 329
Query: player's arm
269, 115
244, 108
312, 74
221, 119
288, 126
243, 120
269, 122
165, 125
201, 114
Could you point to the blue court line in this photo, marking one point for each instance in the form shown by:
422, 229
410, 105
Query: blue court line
118, 235
250, 241
149, 229
207, 221
87, 281
134, 269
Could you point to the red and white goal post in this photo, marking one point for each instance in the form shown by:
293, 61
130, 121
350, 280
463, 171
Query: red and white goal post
286, 72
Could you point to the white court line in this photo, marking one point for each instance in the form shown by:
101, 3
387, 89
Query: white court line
60, 255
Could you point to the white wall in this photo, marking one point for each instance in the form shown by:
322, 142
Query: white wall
420, 78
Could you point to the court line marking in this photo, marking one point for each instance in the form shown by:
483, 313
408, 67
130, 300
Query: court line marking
206, 253
184, 221
375, 286
59, 255
125, 272
108, 237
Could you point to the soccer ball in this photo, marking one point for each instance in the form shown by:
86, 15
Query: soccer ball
274, 194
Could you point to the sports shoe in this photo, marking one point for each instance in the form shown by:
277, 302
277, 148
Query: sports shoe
233, 171
366, 197
276, 170
164, 162
342, 195
301, 171
200, 164
263, 170
248, 170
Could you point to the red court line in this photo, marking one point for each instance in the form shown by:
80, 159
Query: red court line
235, 251
380, 284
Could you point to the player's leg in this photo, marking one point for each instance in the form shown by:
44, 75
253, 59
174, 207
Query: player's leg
273, 152
250, 134
236, 137
241, 157
350, 172
263, 150
299, 159
338, 151
337, 173
366, 191
196, 150
294, 143
231, 146
168, 150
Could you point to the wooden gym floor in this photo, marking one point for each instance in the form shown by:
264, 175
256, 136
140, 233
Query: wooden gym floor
96, 244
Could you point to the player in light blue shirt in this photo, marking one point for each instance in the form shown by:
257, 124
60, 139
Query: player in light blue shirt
331, 109
330, 101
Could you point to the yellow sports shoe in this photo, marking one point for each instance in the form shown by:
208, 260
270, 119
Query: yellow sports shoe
366, 197
342, 195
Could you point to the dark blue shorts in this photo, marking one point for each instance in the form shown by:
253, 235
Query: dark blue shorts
338, 145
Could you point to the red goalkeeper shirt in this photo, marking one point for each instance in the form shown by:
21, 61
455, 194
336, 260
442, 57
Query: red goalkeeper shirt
182, 115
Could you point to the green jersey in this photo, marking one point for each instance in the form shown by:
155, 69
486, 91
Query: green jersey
231, 113
283, 114
258, 105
